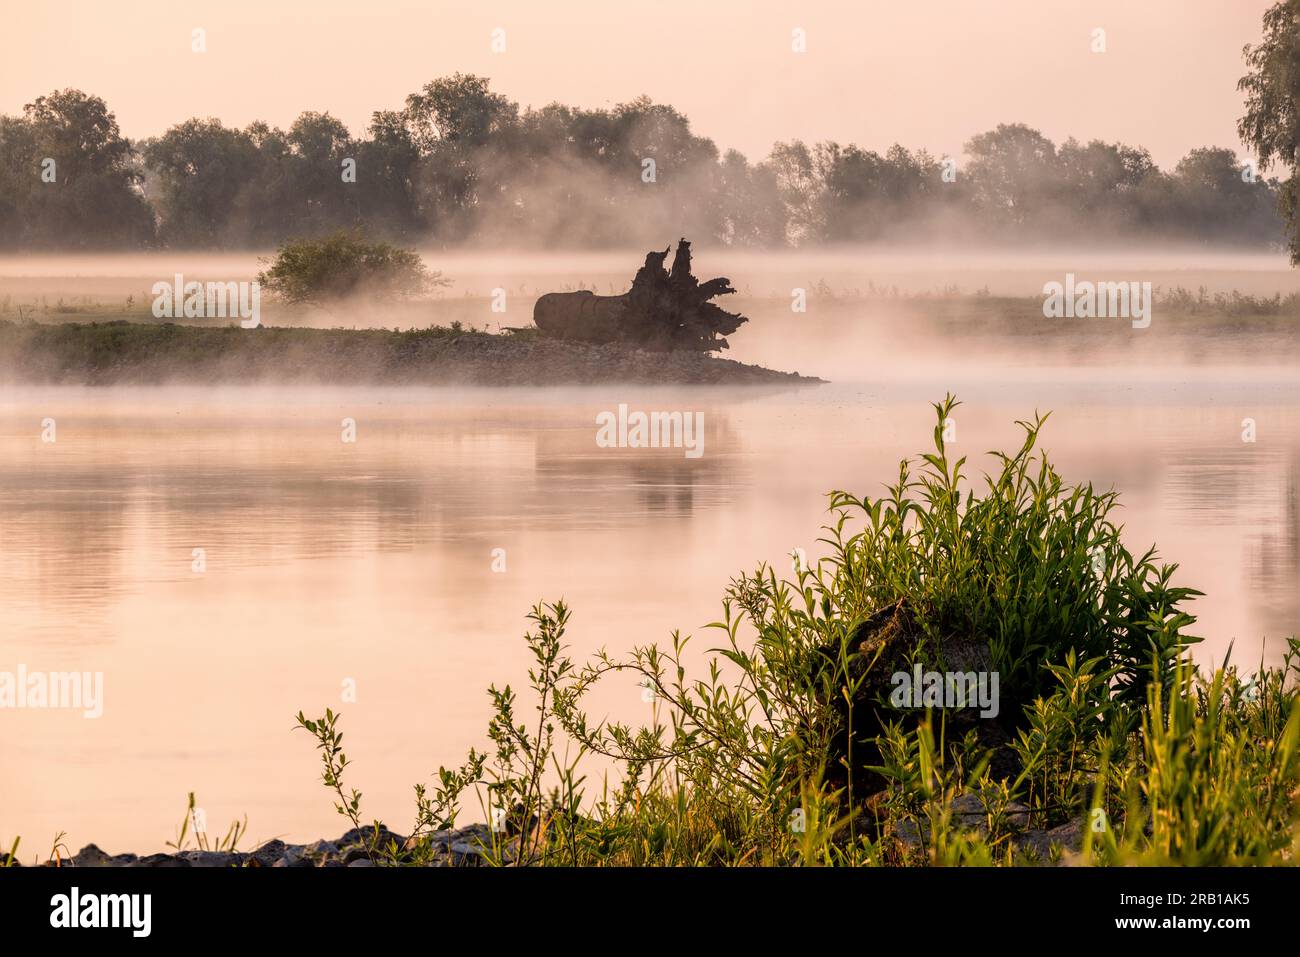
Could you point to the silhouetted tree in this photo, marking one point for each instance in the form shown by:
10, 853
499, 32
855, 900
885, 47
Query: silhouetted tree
1012, 170
1271, 123
90, 196
460, 163
201, 168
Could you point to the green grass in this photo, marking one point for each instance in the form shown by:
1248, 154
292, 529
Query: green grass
774, 747
120, 352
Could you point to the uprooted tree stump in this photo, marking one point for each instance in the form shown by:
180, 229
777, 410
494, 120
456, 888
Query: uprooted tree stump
663, 310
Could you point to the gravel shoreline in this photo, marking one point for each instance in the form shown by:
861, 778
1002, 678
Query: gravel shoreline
476, 845
464, 847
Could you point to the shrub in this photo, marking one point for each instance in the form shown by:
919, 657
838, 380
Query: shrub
344, 265
1033, 567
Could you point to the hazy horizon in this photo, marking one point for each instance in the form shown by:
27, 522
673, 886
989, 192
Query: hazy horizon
927, 78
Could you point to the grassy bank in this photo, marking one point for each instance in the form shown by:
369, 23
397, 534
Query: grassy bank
125, 353
783, 742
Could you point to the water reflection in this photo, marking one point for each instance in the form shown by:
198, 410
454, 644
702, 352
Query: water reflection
1275, 557
373, 560
117, 503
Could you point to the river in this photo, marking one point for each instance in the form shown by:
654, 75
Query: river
225, 558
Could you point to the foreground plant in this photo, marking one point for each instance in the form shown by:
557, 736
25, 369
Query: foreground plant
780, 744
227, 843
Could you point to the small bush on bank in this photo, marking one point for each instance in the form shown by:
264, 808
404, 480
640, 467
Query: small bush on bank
344, 265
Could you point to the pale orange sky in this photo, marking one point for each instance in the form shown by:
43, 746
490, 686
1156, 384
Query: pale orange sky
926, 74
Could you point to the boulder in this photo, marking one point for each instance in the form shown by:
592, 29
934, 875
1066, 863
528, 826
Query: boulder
267, 854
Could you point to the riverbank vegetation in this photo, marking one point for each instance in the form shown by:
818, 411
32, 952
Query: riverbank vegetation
158, 353
1175, 306
780, 742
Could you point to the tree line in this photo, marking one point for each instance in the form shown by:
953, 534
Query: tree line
461, 164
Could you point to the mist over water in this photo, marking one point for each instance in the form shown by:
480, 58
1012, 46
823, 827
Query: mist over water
373, 561
1008, 270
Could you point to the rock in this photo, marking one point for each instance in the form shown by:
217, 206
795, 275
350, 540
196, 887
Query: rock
371, 844
1017, 814
472, 834
906, 833
212, 858
968, 813
1039, 843
471, 844
322, 849
354, 853
293, 853
459, 847
434, 839
465, 855
267, 854
367, 836
434, 846
90, 856
451, 845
